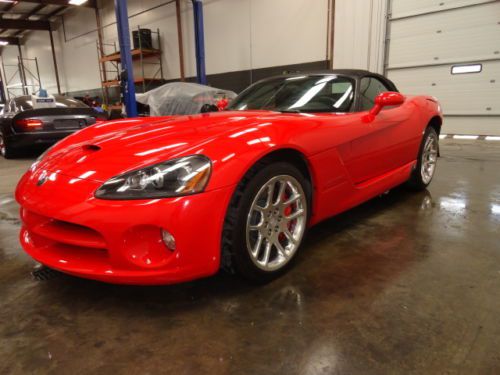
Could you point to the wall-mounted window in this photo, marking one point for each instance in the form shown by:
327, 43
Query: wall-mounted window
468, 68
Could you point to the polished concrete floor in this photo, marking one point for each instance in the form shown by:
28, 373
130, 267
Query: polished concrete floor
405, 284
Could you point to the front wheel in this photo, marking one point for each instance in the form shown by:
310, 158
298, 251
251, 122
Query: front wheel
266, 222
5, 150
424, 171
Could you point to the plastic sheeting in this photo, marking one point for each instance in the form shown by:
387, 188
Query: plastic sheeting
181, 98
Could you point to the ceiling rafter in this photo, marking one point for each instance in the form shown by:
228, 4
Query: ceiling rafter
87, 4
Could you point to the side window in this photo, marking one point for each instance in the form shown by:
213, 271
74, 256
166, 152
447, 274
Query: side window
23, 103
370, 87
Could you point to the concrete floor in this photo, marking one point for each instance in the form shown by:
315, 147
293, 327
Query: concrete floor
407, 283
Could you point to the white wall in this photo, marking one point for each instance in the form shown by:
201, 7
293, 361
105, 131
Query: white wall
359, 34
38, 46
78, 56
239, 35
11, 72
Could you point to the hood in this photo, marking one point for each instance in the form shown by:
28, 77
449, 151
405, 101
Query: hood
105, 150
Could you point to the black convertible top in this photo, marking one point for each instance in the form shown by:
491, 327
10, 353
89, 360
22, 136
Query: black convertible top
354, 73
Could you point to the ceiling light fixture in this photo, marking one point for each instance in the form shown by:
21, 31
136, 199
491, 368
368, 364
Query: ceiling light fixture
77, 2
3, 42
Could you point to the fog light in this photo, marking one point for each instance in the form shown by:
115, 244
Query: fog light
168, 239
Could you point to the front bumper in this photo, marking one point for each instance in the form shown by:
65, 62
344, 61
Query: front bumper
66, 228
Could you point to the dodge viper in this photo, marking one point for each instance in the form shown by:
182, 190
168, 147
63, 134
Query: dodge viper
171, 199
22, 124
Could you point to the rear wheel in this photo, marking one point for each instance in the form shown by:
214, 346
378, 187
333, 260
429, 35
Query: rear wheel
424, 171
266, 222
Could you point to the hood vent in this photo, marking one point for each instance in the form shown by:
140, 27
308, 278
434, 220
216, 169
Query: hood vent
91, 148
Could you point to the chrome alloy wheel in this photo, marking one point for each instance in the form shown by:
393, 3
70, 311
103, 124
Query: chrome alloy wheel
429, 159
276, 222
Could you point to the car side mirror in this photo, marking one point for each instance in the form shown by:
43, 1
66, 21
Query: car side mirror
386, 99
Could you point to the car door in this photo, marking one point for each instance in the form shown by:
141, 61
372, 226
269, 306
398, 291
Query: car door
380, 148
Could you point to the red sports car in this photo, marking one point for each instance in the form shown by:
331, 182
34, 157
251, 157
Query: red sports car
171, 199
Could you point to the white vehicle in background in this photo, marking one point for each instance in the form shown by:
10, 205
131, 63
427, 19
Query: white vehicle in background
183, 98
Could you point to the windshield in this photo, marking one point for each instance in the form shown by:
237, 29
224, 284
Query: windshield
329, 93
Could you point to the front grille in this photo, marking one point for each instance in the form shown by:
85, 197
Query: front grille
62, 233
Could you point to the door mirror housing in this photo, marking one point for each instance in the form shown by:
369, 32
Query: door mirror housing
386, 99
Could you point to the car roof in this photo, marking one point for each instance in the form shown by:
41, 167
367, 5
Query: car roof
354, 73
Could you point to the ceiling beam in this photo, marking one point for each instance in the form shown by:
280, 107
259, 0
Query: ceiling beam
8, 8
25, 16
53, 13
24, 24
88, 4
12, 41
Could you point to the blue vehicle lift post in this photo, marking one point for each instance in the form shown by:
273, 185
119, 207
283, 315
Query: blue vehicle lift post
127, 74
199, 37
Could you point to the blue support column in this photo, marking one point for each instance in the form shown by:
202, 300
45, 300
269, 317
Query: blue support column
127, 73
199, 36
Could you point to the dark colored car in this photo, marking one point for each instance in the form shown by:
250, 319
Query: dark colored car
22, 126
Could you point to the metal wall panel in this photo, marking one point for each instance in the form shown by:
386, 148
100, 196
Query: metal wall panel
465, 34
459, 94
407, 8
426, 39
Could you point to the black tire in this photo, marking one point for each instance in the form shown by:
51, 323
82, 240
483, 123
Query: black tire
5, 150
416, 181
235, 257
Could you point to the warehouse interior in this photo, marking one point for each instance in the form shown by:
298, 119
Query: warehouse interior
405, 282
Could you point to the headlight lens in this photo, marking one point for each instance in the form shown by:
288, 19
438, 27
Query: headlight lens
173, 178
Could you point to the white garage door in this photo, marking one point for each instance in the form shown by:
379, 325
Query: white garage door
449, 49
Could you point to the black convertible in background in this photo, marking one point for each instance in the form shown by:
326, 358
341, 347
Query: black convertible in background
22, 126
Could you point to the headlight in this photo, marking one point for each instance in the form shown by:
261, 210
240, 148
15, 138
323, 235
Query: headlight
176, 177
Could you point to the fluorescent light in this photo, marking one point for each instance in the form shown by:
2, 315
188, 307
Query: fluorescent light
77, 2
465, 137
492, 138
469, 68
3, 42
442, 136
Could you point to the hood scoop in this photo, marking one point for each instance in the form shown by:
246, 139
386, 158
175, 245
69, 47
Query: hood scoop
91, 148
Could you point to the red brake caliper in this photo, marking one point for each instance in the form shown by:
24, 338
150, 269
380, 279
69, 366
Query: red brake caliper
287, 212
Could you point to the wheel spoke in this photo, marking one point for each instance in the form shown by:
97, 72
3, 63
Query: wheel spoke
291, 200
280, 248
270, 193
295, 215
267, 253
289, 236
280, 192
258, 244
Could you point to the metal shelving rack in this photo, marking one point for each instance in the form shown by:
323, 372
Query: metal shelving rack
21, 74
110, 65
